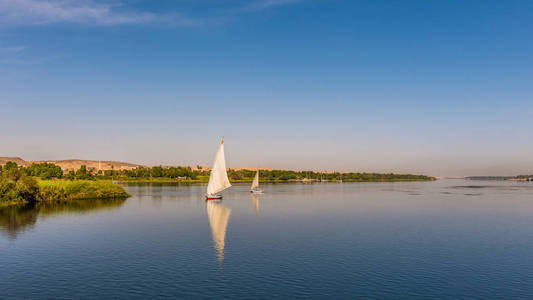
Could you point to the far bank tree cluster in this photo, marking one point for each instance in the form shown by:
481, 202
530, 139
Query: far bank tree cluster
52, 171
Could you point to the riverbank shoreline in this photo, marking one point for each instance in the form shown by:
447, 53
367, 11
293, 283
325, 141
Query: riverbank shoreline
193, 181
16, 188
47, 182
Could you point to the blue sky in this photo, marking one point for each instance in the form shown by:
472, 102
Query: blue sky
433, 87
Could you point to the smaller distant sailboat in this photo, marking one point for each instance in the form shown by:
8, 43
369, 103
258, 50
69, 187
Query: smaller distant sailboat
254, 189
218, 179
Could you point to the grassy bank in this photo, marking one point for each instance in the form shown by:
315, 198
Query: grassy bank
64, 190
17, 188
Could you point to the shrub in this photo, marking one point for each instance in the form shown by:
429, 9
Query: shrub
62, 190
45, 170
17, 187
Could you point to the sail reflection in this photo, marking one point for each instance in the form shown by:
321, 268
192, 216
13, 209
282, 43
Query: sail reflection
218, 221
255, 200
17, 219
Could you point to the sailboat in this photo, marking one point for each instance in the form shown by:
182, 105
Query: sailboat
218, 179
218, 221
255, 184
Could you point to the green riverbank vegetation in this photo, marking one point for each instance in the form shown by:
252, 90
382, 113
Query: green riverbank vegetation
65, 190
44, 183
47, 182
187, 174
16, 187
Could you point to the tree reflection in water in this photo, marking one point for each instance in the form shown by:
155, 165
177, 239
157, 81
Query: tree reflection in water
17, 219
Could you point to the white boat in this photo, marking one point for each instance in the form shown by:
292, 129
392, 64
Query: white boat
218, 221
255, 184
218, 179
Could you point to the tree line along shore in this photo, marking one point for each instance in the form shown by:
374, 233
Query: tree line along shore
48, 182
187, 174
45, 183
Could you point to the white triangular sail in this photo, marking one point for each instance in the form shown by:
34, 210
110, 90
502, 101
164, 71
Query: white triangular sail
255, 182
218, 179
218, 221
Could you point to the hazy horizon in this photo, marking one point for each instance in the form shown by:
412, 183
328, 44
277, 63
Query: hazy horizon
434, 88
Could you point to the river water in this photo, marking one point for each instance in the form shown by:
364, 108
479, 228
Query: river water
446, 239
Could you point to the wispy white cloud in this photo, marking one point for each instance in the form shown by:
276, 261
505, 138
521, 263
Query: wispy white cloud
36, 12
16, 55
266, 4
14, 49
14, 61
27, 61
107, 13
12, 55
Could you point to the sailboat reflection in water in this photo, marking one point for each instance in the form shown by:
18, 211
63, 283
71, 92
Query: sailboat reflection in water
218, 221
255, 200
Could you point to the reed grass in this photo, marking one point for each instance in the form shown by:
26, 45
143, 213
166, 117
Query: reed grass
64, 190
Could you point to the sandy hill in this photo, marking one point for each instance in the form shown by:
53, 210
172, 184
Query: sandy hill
244, 168
74, 164
17, 160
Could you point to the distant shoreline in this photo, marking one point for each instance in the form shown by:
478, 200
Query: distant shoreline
521, 178
173, 180
118, 171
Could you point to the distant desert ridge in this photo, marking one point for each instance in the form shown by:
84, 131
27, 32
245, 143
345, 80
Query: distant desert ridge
74, 164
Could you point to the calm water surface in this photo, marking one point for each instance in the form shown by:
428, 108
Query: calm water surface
445, 239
